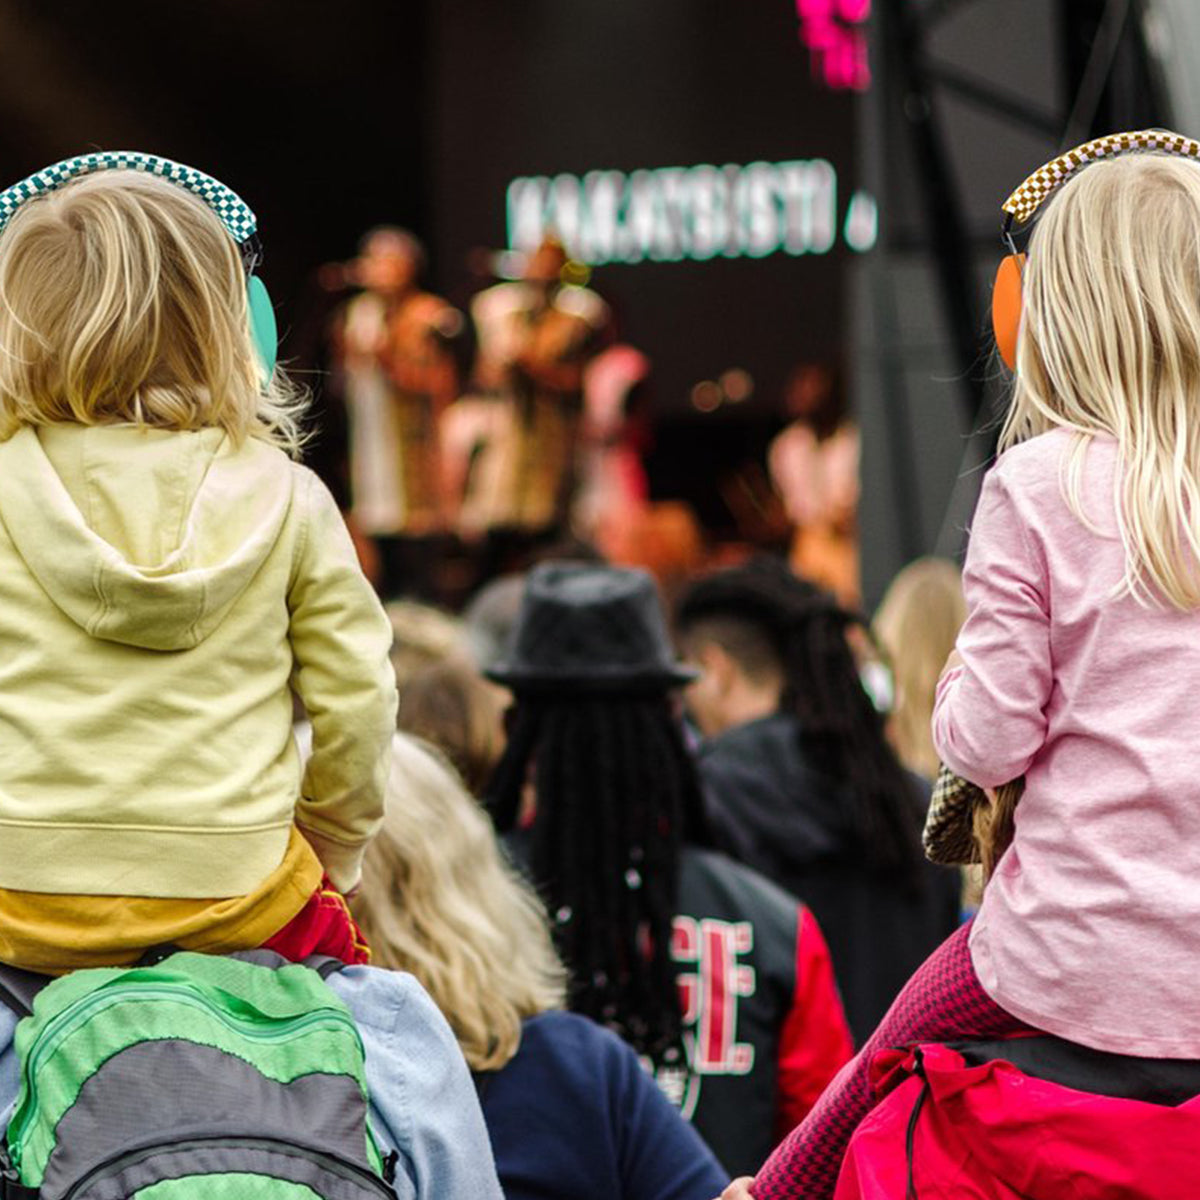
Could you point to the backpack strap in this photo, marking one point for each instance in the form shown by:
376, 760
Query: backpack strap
324, 964
11, 1187
18, 988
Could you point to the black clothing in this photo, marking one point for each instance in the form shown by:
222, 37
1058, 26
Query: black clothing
763, 1027
769, 808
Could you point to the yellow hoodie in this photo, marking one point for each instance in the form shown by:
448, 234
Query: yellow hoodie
158, 591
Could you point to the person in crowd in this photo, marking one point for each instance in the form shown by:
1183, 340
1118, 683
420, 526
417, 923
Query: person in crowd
916, 624
452, 706
570, 1111
814, 466
166, 574
490, 617
515, 442
397, 350
422, 636
1074, 668
800, 781
716, 976
422, 1106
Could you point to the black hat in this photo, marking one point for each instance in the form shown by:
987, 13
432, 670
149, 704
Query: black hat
585, 628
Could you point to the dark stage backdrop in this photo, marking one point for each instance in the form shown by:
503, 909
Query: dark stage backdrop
311, 111
530, 88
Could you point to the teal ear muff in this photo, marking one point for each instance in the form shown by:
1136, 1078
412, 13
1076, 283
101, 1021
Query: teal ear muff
263, 330
230, 209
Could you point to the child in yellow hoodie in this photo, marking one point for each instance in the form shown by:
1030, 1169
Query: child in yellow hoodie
167, 576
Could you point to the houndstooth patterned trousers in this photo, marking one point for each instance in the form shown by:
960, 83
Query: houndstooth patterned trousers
943, 1001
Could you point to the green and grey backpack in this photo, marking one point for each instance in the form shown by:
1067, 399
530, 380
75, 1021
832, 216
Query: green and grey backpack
226, 1078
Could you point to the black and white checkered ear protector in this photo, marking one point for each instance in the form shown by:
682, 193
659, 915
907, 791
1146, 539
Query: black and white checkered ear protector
230, 209
1021, 206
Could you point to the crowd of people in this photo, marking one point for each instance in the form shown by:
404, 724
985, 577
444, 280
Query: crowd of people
500, 427
611, 895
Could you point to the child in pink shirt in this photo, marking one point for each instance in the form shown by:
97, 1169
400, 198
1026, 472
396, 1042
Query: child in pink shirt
1078, 664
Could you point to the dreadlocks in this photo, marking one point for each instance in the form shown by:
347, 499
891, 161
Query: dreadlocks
617, 798
764, 609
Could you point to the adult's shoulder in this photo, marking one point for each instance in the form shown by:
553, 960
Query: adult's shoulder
9, 1077
559, 1032
423, 1101
732, 889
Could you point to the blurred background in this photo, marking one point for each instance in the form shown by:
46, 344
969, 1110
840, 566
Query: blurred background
785, 213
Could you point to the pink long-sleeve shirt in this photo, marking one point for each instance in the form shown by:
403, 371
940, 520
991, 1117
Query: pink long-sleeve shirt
1090, 927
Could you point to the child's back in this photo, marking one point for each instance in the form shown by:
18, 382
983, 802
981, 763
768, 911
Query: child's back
165, 572
1091, 696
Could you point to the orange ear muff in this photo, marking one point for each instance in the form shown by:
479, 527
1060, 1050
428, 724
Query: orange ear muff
1006, 308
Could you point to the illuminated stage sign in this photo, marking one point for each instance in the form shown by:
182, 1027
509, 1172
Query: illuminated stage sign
675, 213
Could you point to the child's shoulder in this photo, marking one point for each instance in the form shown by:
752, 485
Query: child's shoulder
1031, 460
1036, 466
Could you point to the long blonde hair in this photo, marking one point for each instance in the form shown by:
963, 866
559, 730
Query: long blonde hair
917, 623
439, 901
123, 301
1110, 344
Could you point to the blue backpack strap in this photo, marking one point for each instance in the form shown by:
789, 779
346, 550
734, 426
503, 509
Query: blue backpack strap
18, 988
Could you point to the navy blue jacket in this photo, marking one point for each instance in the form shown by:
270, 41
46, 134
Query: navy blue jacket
575, 1117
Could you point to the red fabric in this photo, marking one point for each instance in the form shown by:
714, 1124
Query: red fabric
815, 1041
323, 926
942, 1001
993, 1133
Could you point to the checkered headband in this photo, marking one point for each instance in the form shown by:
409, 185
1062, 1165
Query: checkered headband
230, 209
1026, 200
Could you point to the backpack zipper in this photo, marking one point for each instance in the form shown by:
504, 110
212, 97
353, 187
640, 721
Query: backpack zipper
65, 1023
910, 1134
330, 1162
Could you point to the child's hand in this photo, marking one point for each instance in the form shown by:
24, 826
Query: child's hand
739, 1189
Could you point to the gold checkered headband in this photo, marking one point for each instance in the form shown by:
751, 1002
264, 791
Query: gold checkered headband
1028, 198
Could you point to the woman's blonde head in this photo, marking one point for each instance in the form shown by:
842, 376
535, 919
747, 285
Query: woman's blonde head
123, 301
1110, 344
438, 900
917, 624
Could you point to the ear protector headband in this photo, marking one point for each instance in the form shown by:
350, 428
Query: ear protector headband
1021, 206
233, 213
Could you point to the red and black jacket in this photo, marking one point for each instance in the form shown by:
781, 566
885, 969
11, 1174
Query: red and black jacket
763, 1021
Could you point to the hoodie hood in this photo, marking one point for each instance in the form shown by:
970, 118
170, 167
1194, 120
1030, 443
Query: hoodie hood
145, 537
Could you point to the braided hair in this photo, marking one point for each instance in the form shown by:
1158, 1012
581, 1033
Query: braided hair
770, 612
617, 798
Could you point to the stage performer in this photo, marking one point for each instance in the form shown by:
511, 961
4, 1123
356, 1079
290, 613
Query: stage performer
1076, 663
398, 349
814, 466
516, 442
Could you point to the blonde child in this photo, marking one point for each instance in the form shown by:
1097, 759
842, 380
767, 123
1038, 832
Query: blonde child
167, 575
1076, 666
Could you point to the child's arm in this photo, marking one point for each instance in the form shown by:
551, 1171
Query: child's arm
340, 640
989, 719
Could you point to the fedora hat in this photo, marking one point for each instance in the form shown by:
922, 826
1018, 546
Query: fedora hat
585, 628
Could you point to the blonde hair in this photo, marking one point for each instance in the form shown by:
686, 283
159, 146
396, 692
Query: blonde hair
123, 301
452, 706
438, 900
421, 636
1110, 344
917, 624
